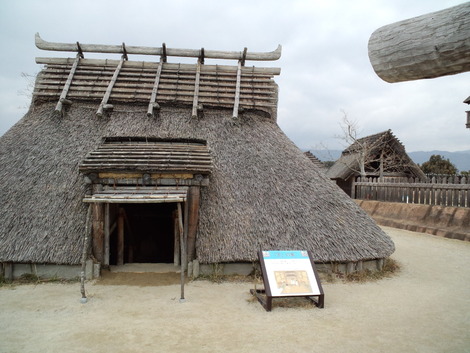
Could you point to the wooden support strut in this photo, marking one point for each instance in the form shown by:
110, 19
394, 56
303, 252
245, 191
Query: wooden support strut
237, 91
241, 63
63, 95
153, 99
104, 102
139, 50
106, 234
196, 89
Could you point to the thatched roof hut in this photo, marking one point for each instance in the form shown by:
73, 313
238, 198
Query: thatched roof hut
256, 188
382, 155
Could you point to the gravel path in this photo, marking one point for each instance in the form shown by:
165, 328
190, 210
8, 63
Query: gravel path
425, 308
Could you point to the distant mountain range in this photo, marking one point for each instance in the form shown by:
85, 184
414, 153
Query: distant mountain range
460, 159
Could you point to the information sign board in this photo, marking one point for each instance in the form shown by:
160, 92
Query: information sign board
288, 274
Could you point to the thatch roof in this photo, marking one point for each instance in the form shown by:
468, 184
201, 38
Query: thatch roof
396, 159
263, 193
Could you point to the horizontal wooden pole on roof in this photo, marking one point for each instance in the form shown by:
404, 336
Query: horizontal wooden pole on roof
156, 182
427, 46
166, 84
144, 95
166, 66
144, 166
139, 50
170, 99
207, 72
113, 175
135, 200
151, 157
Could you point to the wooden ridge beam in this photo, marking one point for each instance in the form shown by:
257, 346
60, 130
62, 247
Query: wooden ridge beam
140, 50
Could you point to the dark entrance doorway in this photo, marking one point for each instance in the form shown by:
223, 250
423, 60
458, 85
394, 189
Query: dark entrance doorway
148, 233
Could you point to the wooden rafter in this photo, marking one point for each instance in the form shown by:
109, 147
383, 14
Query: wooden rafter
104, 102
196, 89
63, 95
153, 98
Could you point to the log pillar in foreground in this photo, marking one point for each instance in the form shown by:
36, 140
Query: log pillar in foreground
98, 231
427, 46
193, 217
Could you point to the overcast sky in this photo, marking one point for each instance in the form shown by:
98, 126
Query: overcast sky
325, 69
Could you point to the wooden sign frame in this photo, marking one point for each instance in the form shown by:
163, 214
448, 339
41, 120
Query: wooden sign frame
288, 274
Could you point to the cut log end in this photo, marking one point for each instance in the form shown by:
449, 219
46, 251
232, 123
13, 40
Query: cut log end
427, 46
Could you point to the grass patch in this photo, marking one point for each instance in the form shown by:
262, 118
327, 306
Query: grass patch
29, 278
390, 268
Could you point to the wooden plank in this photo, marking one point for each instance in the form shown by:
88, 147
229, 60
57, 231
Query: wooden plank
140, 50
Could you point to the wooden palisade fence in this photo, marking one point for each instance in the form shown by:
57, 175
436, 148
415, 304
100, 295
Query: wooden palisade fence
444, 191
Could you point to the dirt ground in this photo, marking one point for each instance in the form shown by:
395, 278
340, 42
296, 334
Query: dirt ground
425, 308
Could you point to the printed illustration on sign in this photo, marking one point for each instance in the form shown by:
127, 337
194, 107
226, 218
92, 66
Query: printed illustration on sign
292, 282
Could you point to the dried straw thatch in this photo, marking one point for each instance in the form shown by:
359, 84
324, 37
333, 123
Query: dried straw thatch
263, 192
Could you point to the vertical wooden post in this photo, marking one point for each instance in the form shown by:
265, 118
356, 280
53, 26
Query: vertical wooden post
176, 253
98, 231
353, 188
192, 220
120, 240
106, 234
183, 250
86, 246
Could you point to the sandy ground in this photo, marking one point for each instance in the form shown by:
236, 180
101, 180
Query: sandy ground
426, 308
